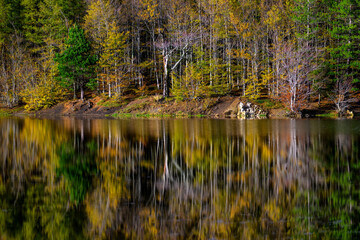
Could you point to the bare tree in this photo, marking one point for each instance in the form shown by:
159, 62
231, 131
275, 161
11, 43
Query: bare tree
341, 95
175, 39
167, 52
295, 66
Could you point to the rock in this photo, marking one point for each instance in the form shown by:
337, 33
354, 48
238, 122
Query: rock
249, 110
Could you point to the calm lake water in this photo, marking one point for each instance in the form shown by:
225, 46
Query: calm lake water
71, 178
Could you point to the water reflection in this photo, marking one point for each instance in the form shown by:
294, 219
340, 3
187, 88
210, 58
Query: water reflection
178, 179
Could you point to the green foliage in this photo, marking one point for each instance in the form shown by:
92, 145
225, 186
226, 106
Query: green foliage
31, 25
269, 103
114, 101
122, 115
328, 115
76, 64
9, 19
4, 113
4, 18
344, 63
73, 11
78, 169
53, 25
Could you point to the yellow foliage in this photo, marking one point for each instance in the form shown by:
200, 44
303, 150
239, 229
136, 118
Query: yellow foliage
253, 88
240, 53
150, 223
242, 203
98, 16
272, 210
99, 213
273, 16
112, 58
43, 95
113, 184
190, 85
148, 10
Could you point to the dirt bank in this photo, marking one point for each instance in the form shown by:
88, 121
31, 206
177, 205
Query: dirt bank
151, 105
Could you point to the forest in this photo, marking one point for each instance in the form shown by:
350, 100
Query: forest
290, 51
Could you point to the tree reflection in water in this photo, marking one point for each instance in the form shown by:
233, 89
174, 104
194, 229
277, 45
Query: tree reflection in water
179, 179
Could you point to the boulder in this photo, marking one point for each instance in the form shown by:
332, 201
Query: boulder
249, 110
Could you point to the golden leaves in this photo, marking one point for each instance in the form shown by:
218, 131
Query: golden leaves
273, 16
150, 223
148, 10
273, 211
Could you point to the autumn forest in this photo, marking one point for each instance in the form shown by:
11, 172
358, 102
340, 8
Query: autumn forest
290, 51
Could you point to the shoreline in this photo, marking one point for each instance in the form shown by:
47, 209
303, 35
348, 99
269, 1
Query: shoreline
153, 106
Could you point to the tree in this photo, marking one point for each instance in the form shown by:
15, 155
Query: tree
176, 38
343, 62
73, 11
97, 20
45, 91
76, 64
4, 17
17, 70
10, 19
296, 65
149, 15
341, 96
31, 25
111, 60
54, 24
109, 44
167, 51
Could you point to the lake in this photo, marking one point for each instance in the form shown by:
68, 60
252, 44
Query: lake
74, 178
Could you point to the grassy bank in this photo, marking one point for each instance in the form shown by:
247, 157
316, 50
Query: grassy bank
4, 112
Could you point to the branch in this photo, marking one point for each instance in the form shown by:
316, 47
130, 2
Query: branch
181, 57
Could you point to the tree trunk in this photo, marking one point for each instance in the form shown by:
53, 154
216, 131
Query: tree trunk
82, 93
166, 84
166, 77
74, 90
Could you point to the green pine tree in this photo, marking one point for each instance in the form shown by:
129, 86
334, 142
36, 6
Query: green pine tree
75, 63
4, 18
344, 51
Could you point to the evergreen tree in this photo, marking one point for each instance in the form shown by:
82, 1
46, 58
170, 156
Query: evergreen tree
344, 51
343, 62
76, 64
31, 25
4, 13
73, 11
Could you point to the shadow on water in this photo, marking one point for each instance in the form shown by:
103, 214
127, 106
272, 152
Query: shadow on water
179, 178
